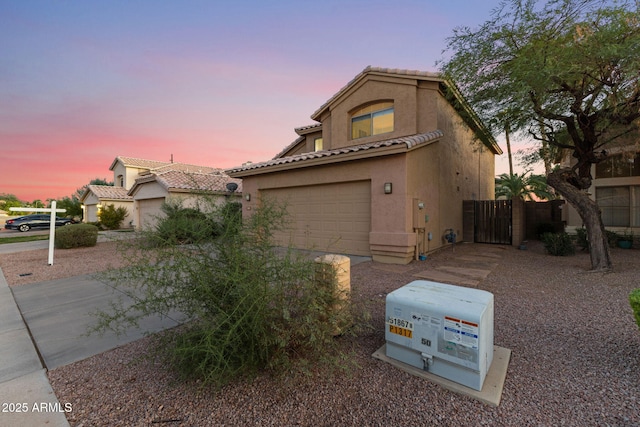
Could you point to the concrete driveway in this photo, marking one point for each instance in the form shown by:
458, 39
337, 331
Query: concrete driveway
59, 313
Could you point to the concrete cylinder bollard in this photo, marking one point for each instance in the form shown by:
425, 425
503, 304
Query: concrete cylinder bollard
335, 270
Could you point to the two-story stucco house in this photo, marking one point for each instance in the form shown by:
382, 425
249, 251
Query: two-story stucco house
383, 170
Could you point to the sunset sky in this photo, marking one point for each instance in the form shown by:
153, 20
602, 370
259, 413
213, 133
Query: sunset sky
213, 83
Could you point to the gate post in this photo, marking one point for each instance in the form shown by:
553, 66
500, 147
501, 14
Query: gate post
518, 222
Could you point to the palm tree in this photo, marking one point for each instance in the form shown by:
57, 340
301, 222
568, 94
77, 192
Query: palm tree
523, 187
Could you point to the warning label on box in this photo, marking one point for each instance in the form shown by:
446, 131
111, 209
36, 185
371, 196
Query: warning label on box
461, 332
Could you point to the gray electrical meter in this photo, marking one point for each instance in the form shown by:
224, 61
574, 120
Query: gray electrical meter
444, 329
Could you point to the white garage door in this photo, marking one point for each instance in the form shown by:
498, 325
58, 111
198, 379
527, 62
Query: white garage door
328, 218
148, 212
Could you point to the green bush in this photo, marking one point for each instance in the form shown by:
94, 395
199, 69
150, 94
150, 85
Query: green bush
75, 236
247, 306
634, 300
582, 239
181, 225
558, 244
111, 217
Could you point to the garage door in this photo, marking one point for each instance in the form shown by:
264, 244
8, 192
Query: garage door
328, 218
148, 212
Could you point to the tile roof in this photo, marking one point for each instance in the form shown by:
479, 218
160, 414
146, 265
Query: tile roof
305, 129
108, 192
424, 75
289, 147
183, 180
409, 141
138, 163
185, 168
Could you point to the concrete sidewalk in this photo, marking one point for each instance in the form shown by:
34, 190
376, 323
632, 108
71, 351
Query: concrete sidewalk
43, 326
24, 385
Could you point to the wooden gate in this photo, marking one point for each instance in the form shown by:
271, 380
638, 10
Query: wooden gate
488, 221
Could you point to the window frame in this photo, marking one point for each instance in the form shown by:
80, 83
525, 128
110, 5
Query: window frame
369, 113
614, 166
610, 211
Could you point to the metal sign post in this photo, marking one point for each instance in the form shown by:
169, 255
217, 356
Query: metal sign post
52, 223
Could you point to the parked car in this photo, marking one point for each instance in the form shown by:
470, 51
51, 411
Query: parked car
27, 222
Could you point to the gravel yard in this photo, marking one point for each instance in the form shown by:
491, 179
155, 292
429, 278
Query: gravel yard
575, 357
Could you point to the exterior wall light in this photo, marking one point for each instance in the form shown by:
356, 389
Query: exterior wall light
247, 197
388, 189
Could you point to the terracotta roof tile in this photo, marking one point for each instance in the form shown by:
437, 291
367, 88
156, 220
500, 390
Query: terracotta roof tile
109, 192
304, 129
289, 147
172, 180
138, 163
186, 168
409, 141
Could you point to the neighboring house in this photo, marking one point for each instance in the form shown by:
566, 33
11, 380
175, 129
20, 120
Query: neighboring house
383, 172
616, 189
97, 196
125, 171
141, 186
181, 183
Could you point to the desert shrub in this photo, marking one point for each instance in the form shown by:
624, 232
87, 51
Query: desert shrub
248, 306
111, 217
230, 217
558, 244
180, 225
75, 236
634, 300
582, 238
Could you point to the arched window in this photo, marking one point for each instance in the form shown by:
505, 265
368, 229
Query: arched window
120, 181
373, 119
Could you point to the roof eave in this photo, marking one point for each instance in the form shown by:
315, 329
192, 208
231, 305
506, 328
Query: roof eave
470, 117
331, 159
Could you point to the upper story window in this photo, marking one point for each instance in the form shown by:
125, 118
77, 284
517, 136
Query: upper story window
373, 119
120, 181
317, 144
619, 166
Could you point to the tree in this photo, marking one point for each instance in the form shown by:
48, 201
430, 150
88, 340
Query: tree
8, 201
567, 71
522, 186
72, 205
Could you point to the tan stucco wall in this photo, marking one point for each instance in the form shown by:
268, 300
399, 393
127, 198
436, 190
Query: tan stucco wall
401, 91
129, 174
467, 168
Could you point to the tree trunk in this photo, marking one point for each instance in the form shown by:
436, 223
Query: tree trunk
506, 133
590, 214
